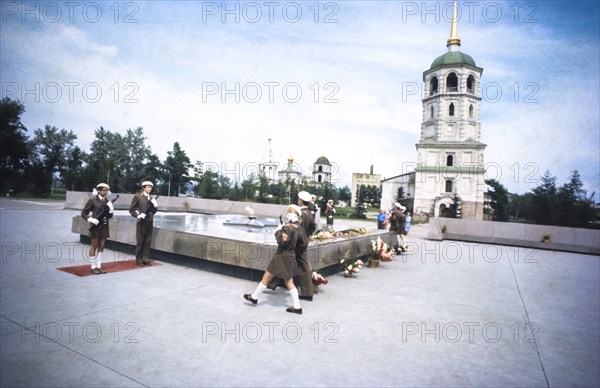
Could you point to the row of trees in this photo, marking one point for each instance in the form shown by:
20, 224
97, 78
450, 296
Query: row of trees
51, 159
546, 204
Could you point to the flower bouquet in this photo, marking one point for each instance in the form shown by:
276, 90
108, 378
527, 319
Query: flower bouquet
317, 280
329, 234
351, 267
381, 250
324, 235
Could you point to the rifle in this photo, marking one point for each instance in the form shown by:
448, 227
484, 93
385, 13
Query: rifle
150, 207
102, 214
280, 220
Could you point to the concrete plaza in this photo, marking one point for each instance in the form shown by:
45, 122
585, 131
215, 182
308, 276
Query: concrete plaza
446, 314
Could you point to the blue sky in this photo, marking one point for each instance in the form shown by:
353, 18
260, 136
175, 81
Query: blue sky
334, 79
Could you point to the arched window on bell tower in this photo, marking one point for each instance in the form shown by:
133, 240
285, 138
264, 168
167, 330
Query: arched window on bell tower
433, 86
452, 83
448, 186
471, 111
451, 109
449, 160
431, 112
471, 84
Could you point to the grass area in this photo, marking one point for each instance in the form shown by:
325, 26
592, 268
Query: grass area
346, 212
58, 195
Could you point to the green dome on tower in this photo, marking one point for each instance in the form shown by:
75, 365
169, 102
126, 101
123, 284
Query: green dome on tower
322, 160
453, 58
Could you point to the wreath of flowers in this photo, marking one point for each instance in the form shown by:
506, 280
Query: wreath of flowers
351, 267
326, 235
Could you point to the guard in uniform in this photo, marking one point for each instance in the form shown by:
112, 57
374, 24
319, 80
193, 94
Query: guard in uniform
143, 207
329, 213
97, 211
397, 221
307, 227
283, 263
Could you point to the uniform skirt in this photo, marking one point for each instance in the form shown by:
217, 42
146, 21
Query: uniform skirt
283, 264
100, 232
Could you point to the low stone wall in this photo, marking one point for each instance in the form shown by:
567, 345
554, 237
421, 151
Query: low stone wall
526, 235
77, 200
228, 252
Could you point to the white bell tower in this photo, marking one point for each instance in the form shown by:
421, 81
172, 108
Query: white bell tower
449, 153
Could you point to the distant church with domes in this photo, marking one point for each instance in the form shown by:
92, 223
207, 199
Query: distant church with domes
450, 165
321, 172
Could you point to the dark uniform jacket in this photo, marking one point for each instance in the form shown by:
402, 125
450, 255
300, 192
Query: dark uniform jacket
94, 207
397, 222
284, 260
140, 204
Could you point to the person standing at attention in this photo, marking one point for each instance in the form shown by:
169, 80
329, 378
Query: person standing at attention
143, 207
101, 211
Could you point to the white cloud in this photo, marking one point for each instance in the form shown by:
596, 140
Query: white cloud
371, 55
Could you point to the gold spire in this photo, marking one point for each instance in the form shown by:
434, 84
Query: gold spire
454, 39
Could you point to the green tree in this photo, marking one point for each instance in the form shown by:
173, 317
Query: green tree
455, 207
104, 156
399, 197
327, 192
138, 161
279, 192
499, 197
13, 146
209, 185
360, 208
224, 186
235, 193
345, 194
74, 168
153, 171
248, 189
573, 207
176, 167
543, 209
262, 187
48, 154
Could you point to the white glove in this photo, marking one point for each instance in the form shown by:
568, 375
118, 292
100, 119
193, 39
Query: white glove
279, 227
154, 203
93, 220
111, 208
141, 216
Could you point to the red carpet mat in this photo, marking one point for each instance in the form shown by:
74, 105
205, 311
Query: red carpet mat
115, 266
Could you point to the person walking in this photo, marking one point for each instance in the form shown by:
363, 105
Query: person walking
308, 227
397, 225
316, 211
284, 260
101, 210
143, 207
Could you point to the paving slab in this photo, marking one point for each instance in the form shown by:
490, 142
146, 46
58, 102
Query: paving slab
445, 314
